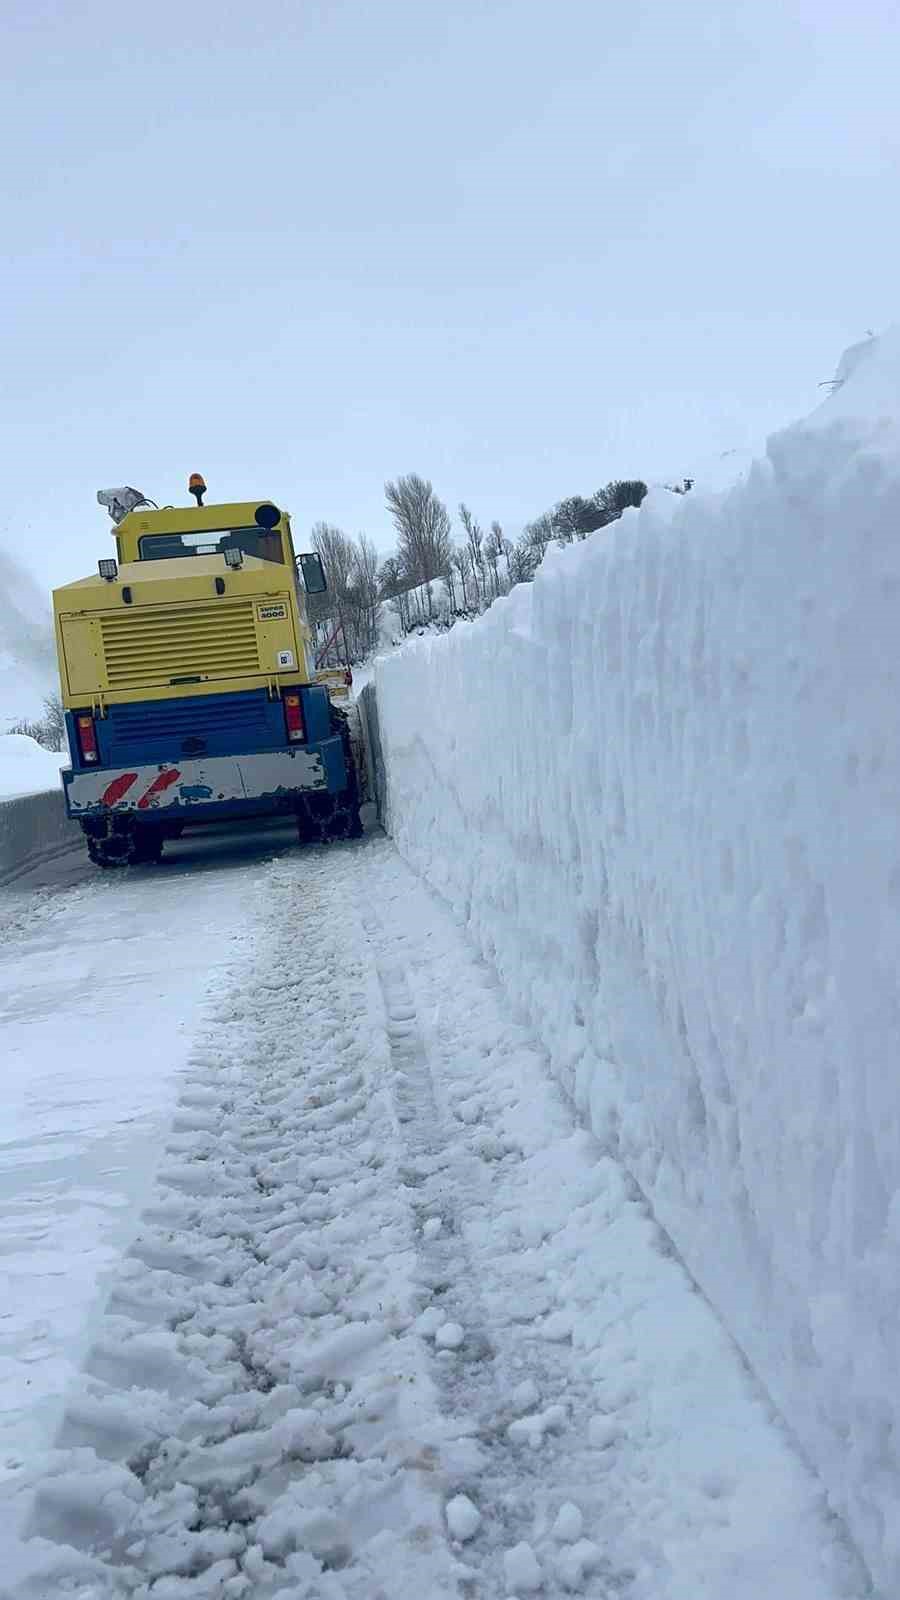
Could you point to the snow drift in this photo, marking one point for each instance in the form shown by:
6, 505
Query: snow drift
27, 656
26, 768
662, 788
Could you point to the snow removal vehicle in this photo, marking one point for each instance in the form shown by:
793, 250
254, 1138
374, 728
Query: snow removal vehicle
189, 699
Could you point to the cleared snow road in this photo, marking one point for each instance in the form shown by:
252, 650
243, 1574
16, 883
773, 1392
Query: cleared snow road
390, 1324
103, 982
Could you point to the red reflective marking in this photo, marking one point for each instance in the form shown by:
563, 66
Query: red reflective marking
159, 786
119, 786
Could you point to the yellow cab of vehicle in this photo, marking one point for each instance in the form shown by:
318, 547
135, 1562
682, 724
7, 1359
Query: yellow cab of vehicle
187, 679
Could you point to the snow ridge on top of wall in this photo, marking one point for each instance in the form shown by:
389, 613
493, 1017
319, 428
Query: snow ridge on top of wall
662, 787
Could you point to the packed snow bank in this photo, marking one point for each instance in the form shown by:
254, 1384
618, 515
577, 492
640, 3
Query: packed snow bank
662, 787
26, 768
36, 837
27, 657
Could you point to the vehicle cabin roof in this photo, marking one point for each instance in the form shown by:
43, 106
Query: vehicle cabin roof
190, 519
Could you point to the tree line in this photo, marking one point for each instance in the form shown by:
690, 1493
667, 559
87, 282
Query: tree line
433, 577
48, 730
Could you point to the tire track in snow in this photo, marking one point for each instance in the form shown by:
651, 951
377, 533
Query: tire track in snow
493, 1384
256, 1417
618, 1407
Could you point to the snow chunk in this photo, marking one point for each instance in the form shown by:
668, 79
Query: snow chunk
531, 1430
432, 1227
522, 1569
574, 1565
463, 1518
557, 1327
602, 1430
449, 1337
333, 1357
428, 1322
526, 1395
569, 1524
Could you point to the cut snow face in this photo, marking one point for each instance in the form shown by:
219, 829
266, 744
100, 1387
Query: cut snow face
26, 768
661, 789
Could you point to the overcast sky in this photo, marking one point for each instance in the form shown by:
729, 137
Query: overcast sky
517, 247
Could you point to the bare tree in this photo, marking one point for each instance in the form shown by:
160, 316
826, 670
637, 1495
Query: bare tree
461, 563
508, 548
532, 546
54, 723
389, 581
392, 587
363, 596
617, 496
474, 539
337, 554
48, 730
423, 528
576, 517
450, 581
495, 546
519, 564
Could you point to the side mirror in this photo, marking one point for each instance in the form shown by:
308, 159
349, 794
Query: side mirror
314, 580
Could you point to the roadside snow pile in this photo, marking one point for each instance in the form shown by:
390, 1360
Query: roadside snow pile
27, 660
662, 788
26, 768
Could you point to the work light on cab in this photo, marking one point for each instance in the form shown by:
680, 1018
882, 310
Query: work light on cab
293, 715
108, 568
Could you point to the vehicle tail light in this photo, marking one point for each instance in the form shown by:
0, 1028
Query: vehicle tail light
87, 737
293, 716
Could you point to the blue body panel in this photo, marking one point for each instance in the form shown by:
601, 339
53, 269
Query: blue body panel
200, 725
146, 733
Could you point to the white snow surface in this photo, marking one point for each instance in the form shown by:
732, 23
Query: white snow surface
27, 768
101, 992
27, 655
261, 1410
463, 1518
661, 789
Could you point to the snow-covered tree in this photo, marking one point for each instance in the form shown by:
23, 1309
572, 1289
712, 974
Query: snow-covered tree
423, 528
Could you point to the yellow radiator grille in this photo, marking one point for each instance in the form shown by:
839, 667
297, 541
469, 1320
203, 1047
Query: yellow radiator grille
165, 642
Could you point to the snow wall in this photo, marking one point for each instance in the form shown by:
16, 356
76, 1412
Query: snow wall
34, 830
661, 787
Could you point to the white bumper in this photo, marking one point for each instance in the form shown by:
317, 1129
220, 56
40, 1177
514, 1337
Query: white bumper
208, 781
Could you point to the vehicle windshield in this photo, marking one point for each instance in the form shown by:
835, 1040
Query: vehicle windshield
264, 543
